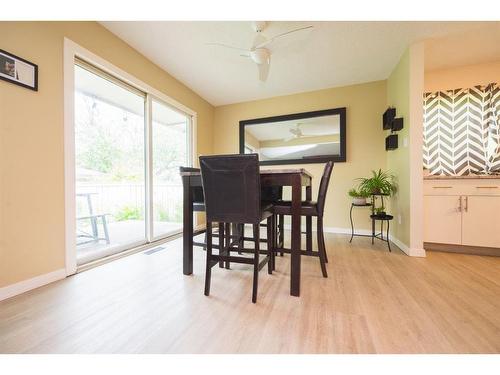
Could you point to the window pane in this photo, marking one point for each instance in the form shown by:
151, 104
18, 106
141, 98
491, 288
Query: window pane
170, 151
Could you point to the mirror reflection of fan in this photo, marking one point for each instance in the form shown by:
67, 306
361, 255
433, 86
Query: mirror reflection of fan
258, 53
296, 133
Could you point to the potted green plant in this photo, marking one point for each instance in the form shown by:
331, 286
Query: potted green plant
380, 211
358, 196
381, 182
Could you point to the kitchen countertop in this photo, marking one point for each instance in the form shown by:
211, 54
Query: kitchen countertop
467, 177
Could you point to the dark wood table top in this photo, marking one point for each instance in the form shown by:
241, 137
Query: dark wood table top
302, 171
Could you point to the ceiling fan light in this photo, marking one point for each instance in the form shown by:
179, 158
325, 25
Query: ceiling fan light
260, 55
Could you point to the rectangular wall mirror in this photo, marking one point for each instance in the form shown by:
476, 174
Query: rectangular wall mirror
309, 137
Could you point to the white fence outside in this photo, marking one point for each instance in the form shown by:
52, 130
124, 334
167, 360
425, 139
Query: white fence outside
110, 198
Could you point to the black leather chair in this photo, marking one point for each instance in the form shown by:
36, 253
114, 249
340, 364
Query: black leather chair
231, 186
311, 208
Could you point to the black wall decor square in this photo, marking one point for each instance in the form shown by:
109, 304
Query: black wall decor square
391, 142
387, 118
397, 124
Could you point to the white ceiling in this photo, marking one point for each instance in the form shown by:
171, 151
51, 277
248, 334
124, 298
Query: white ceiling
332, 54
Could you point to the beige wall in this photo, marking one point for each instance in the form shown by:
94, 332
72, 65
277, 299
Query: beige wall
463, 76
31, 139
365, 139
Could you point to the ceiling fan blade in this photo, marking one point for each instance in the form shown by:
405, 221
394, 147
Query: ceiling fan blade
272, 39
264, 69
228, 46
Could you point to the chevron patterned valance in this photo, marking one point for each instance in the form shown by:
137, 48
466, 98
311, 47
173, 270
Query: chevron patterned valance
462, 131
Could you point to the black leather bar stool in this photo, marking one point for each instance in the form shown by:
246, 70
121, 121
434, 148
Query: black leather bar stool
231, 186
311, 208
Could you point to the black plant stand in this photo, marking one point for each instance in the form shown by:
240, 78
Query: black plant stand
380, 235
374, 217
352, 223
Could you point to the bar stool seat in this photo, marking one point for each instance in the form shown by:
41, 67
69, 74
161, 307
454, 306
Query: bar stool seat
307, 208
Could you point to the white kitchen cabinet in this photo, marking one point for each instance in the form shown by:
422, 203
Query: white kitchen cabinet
443, 219
462, 212
481, 221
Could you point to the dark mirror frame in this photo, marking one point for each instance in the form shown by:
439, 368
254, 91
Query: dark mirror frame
297, 116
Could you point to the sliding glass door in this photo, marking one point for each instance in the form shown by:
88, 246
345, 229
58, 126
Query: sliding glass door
170, 151
128, 149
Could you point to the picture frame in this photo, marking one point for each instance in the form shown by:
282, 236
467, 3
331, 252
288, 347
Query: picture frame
18, 71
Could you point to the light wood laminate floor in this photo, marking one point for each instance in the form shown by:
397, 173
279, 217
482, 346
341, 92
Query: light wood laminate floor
373, 302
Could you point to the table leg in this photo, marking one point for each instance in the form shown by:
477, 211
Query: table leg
187, 233
295, 248
309, 222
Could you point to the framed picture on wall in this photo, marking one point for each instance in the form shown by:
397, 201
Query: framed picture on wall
19, 71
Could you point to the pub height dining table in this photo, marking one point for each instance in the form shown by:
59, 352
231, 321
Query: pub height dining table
295, 178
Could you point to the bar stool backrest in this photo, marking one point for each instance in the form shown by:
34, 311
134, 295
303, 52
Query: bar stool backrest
231, 185
323, 187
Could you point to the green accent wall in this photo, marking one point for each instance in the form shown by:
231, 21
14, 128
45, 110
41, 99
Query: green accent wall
398, 161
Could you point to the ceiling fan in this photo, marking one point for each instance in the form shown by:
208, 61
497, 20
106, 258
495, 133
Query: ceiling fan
258, 51
295, 133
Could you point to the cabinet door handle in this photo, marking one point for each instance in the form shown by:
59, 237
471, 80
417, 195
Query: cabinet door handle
442, 187
486, 187
460, 204
466, 203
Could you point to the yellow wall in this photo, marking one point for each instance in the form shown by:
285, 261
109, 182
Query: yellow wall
31, 139
463, 76
398, 161
365, 139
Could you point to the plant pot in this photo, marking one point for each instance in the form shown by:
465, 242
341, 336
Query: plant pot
358, 201
381, 214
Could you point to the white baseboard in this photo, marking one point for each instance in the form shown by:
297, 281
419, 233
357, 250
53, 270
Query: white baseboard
418, 253
338, 230
404, 248
36, 282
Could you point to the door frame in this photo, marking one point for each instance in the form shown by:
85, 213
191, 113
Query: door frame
71, 51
